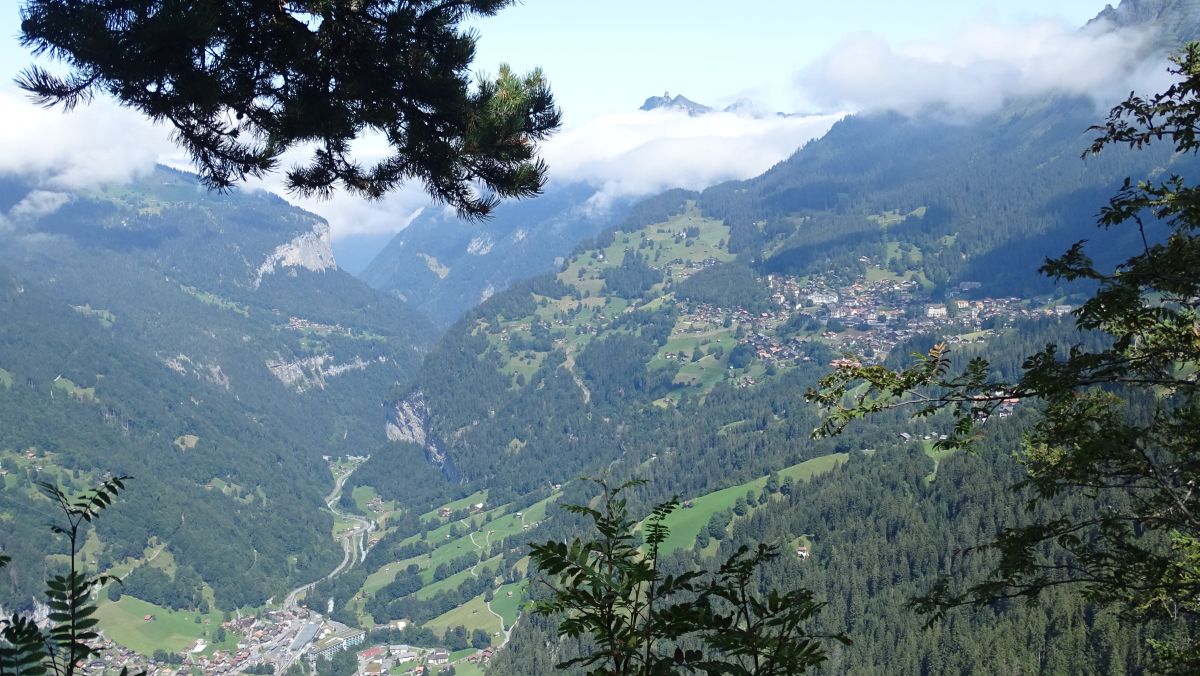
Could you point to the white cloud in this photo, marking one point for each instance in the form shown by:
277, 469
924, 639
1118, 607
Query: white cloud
104, 143
621, 155
94, 144
38, 203
981, 67
353, 215
644, 152
350, 214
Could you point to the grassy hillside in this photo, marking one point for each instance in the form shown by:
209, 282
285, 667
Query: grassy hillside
174, 631
685, 523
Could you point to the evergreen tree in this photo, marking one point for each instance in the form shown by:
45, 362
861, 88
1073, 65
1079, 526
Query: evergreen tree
244, 81
1119, 421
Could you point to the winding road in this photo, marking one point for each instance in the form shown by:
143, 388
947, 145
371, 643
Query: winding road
354, 551
353, 541
503, 627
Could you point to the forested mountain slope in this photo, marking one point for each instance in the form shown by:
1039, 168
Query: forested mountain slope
647, 317
205, 344
968, 197
677, 347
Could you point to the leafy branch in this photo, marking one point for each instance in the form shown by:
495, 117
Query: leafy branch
644, 622
29, 650
1119, 424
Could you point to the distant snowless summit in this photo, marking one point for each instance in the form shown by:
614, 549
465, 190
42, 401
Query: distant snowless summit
678, 102
1133, 12
744, 107
1175, 20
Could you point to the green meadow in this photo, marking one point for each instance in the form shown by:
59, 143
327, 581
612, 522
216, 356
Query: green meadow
685, 523
174, 631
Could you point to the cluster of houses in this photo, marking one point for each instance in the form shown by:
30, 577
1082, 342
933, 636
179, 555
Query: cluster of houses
412, 661
483, 656
879, 314
274, 636
872, 316
301, 324
268, 638
769, 348
114, 657
474, 508
264, 640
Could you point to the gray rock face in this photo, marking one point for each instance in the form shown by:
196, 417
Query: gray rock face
313, 372
677, 102
311, 251
1176, 22
409, 421
1132, 12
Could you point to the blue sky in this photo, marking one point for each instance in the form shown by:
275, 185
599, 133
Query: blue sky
824, 59
608, 56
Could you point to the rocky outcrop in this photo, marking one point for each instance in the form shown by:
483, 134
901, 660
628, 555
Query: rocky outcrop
409, 420
311, 251
1133, 12
314, 372
679, 102
480, 245
1174, 22
409, 423
434, 265
184, 365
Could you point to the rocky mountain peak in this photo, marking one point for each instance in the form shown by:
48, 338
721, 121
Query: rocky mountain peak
677, 102
1133, 12
1176, 21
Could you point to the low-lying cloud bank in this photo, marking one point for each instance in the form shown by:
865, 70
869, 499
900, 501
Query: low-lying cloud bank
632, 154
982, 67
644, 152
623, 155
92, 145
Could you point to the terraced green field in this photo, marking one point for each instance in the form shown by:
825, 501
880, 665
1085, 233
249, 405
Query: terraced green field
937, 456
678, 247
87, 394
216, 301
509, 607
472, 615
454, 580
685, 524
462, 503
465, 668
105, 317
477, 536
363, 495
